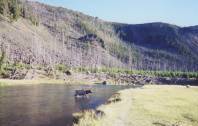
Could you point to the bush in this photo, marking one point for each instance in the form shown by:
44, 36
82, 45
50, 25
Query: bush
8, 68
34, 20
4, 74
87, 28
62, 67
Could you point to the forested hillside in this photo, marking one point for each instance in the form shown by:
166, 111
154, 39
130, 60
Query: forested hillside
162, 45
36, 35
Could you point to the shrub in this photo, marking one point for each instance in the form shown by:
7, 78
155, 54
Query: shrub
62, 67
4, 74
34, 20
87, 28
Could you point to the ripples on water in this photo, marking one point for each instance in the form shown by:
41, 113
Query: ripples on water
48, 105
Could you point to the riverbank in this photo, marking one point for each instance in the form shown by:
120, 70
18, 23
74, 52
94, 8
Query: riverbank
77, 78
109, 76
73, 79
9, 82
148, 106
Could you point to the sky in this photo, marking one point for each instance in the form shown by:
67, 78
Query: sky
178, 12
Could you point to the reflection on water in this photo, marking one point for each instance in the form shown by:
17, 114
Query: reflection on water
48, 105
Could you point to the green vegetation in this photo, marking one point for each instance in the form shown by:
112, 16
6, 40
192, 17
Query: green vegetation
13, 9
88, 29
10, 8
62, 68
34, 20
139, 72
109, 37
120, 51
7, 68
150, 106
2, 58
165, 73
3, 73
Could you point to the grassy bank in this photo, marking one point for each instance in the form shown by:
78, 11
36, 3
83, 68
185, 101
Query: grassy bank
150, 106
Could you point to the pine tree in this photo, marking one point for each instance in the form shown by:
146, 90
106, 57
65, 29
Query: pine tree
2, 6
10, 8
14, 9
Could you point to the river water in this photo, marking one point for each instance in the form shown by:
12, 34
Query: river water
48, 105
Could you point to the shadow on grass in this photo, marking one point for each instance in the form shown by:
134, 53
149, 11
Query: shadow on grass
189, 117
159, 124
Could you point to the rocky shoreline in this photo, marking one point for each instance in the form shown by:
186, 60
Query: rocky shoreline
104, 78
143, 80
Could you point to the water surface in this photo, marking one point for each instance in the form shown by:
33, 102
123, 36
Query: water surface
48, 105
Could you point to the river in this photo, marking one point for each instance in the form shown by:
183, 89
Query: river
48, 105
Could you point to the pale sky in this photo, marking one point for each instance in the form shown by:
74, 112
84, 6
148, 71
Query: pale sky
179, 12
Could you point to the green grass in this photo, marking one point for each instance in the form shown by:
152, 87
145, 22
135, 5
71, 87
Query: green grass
150, 106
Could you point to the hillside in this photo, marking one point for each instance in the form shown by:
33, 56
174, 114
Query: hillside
44, 35
168, 45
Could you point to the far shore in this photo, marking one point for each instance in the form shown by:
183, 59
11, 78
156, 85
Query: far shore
9, 82
82, 78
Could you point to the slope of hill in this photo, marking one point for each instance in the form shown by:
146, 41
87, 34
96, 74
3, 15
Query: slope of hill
47, 36
177, 45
